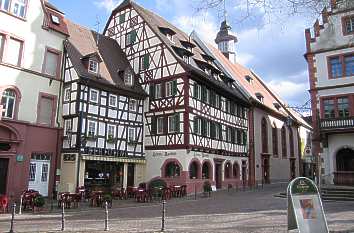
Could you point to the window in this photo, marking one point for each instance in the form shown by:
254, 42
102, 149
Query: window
67, 94
275, 140
329, 108
46, 110
51, 64
197, 122
14, 52
160, 125
93, 66
186, 59
343, 107
348, 25
172, 169
144, 62
170, 37
8, 103
131, 135
193, 170
264, 132
132, 105
68, 127
131, 37
18, 8
217, 101
173, 123
32, 172
227, 171
336, 67
128, 78
122, 18
197, 91
94, 96
91, 132
284, 151
171, 88
112, 101
204, 93
158, 91
349, 65
55, 19
45, 169
111, 131
2, 44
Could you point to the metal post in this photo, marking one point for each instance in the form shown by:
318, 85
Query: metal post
106, 227
20, 210
62, 216
12, 218
163, 216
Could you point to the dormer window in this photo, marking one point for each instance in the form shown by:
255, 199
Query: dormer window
208, 71
186, 59
55, 19
93, 66
276, 105
128, 78
249, 78
260, 97
170, 37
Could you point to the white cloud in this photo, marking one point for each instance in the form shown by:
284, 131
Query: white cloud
108, 5
288, 90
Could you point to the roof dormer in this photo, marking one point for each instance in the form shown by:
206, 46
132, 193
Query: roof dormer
168, 32
248, 78
188, 45
277, 105
260, 97
91, 62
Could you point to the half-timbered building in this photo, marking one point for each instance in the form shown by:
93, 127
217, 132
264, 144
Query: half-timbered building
196, 123
103, 106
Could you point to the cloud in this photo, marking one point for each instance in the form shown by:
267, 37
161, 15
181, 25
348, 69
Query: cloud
108, 5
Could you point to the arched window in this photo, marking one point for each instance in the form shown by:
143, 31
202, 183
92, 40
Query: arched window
284, 151
264, 132
8, 103
193, 170
228, 170
236, 170
275, 140
206, 170
172, 169
291, 142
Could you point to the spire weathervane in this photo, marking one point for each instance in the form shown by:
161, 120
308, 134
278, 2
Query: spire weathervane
225, 12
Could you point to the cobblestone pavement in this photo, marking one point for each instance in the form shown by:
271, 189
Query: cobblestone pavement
249, 211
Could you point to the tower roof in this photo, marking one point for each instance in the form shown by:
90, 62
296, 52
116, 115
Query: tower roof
225, 33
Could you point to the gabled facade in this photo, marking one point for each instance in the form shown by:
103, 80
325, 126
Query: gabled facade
330, 57
31, 44
196, 124
103, 105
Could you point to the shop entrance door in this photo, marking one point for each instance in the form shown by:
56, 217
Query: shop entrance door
39, 176
4, 163
131, 171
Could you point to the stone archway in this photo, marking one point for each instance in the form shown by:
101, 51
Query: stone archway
344, 174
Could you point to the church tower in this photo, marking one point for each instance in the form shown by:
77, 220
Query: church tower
226, 41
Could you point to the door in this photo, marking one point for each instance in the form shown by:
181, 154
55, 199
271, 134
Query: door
130, 178
266, 174
218, 176
39, 176
4, 163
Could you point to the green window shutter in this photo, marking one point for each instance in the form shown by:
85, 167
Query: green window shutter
146, 61
177, 119
122, 18
152, 92
174, 87
195, 90
133, 36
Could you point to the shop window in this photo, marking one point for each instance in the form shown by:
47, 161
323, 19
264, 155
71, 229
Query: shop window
227, 170
193, 170
172, 169
236, 170
206, 170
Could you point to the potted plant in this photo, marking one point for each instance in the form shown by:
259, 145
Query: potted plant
207, 188
38, 202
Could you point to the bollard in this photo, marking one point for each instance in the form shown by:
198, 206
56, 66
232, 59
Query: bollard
195, 191
20, 210
62, 216
106, 228
12, 218
163, 216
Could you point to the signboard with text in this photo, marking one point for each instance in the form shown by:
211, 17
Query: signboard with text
305, 210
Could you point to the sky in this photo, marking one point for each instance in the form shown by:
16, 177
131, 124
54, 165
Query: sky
272, 46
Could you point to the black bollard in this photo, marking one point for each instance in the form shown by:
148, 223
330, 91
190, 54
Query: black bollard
163, 216
62, 216
12, 218
21, 202
106, 227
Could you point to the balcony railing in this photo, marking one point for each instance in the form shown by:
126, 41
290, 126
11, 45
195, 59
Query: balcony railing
337, 123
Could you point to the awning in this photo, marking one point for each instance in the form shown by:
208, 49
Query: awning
113, 159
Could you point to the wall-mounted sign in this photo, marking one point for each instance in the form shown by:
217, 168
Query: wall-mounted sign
20, 158
305, 210
69, 157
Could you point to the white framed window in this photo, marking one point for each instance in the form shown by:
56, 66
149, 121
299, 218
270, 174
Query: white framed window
14, 52
132, 105
45, 169
32, 171
45, 110
8, 103
208, 128
131, 135
159, 125
67, 94
92, 127
5, 5
158, 91
55, 19
186, 59
128, 78
207, 96
217, 101
173, 123
94, 96
93, 66
68, 127
18, 8
111, 131
51, 63
112, 100
169, 88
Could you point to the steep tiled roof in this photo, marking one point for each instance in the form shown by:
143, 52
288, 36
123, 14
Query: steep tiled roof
83, 42
157, 23
51, 11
